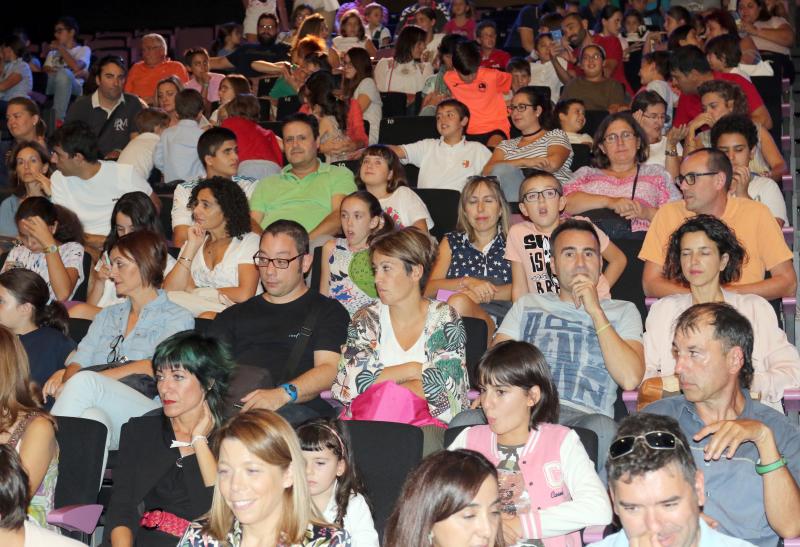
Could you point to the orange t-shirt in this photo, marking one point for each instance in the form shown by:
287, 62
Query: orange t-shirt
484, 98
142, 79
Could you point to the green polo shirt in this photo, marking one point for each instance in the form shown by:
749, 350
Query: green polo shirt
306, 200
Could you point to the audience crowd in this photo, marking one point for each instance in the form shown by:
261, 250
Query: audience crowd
490, 232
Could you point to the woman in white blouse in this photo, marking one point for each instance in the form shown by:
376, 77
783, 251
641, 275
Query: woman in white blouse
215, 266
406, 72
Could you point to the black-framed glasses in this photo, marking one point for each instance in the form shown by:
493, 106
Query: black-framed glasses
518, 107
115, 356
547, 193
263, 261
691, 178
657, 440
473, 178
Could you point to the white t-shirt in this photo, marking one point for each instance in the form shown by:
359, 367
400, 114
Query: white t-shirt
432, 48
71, 256
444, 166
657, 152
406, 207
390, 353
36, 536
544, 74
226, 273
401, 77
182, 215
93, 199
81, 54
767, 192
139, 153
374, 111
768, 45
343, 44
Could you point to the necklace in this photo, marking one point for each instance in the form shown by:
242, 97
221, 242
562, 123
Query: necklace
525, 136
209, 247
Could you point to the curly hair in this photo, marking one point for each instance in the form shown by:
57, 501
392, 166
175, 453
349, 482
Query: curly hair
728, 92
718, 232
231, 200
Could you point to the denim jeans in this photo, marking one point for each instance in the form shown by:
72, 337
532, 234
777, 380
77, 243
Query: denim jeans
62, 84
96, 397
510, 178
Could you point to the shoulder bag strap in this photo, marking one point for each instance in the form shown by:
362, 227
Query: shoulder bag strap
301, 342
636, 180
21, 427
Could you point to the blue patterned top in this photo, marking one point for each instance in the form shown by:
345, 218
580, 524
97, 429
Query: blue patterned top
467, 261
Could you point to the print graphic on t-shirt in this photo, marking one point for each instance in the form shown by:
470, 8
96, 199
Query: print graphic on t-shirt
538, 248
395, 215
514, 498
572, 350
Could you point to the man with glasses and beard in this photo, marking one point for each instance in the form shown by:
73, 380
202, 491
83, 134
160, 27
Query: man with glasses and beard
749, 453
267, 49
656, 489
705, 180
264, 333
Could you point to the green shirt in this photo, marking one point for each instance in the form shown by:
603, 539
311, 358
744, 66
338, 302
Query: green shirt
306, 200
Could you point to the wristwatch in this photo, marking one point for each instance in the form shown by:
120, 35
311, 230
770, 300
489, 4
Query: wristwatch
291, 391
50, 249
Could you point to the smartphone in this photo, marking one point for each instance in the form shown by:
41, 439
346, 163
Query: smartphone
737, 18
556, 34
107, 259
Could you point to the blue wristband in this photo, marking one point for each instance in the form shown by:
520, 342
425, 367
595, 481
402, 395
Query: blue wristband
291, 391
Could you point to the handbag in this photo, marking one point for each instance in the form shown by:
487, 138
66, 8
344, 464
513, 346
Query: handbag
143, 383
614, 226
390, 402
248, 378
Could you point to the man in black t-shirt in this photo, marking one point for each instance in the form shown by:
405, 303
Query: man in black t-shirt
267, 49
262, 331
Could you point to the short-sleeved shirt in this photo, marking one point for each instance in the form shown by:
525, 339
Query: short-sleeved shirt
81, 54
753, 223
93, 199
245, 54
467, 30
595, 95
226, 273
538, 149
654, 187
306, 200
401, 77
468, 261
689, 105
142, 79
763, 44
766, 191
71, 256
262, 334
21, 88
446, 166
405, 207
734, 491
531, 247
214, 79
568, 340
527, 18
374, 111
484, 98
497, 59
613, 49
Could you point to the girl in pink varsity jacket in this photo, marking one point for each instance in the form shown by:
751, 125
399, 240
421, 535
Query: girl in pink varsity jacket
549, 489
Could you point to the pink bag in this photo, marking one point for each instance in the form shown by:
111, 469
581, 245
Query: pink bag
389, 402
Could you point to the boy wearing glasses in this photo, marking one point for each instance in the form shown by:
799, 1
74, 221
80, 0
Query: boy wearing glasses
749, 453
705, 180
449, 161
541, 202
656, 488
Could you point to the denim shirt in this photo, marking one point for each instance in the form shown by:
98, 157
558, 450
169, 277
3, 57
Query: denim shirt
734, 491
158, 320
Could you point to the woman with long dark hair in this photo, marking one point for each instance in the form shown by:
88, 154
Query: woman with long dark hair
29, 167
358, 83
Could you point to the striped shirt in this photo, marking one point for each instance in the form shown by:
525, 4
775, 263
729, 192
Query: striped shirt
538, 149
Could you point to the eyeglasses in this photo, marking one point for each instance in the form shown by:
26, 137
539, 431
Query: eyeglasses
592, 56
491, 178
267, 27
691, 178
518, 107
263, 261
657, 440
547, 193
114, 356
660, 117
614, 138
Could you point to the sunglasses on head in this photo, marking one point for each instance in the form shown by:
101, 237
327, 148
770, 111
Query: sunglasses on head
657, 440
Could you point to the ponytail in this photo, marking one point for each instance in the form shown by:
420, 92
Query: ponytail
386, 223
53, 315
385, 226
28, 287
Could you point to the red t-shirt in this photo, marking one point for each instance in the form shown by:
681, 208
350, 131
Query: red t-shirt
484, 98
689, 105
468, 30
497, 59
253, 141
613, 48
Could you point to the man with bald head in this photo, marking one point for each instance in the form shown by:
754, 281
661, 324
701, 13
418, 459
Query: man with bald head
154, 67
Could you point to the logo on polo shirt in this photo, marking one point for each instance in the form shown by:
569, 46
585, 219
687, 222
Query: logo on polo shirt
465, 164
121, 124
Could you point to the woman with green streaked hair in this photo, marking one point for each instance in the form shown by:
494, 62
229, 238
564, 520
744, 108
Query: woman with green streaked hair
164, 460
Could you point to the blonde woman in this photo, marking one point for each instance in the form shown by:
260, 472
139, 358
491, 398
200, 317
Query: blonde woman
261, 495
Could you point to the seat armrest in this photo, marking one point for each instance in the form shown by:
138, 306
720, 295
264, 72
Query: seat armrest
76, 518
